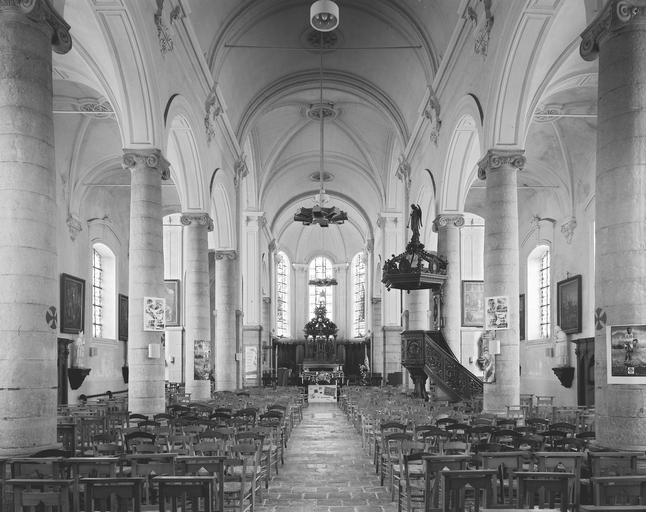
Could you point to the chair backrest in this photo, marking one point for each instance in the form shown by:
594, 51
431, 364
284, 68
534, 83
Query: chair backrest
47, 493
567, 462
176, 492
137, 438
433, 465
539, 423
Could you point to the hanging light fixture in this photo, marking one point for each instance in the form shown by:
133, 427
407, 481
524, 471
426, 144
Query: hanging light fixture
319, 214
324, 15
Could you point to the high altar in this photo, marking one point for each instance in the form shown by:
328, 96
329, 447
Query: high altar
320, 364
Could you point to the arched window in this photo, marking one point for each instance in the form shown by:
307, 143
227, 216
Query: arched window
103, 292
282, 295
321, 268
359, 294
539, 289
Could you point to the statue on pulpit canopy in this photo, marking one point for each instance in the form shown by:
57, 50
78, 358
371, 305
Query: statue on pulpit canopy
78, 352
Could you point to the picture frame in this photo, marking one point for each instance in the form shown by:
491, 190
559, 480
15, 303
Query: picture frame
472, 303
521, 316
172, 296
625, 356
123, 317
72, 304
568, 305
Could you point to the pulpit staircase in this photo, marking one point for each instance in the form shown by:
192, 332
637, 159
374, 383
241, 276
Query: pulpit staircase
427, 354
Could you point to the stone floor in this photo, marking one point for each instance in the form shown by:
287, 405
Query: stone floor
326, 469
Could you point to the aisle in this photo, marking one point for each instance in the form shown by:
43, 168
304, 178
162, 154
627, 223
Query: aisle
326, 469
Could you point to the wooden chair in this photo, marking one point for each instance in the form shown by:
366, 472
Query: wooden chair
28, 494
455, 483
545, 486
412, 486
151, 465
391, 449
90, 467
177, 492
619, 490
506, 436
505, 464
135, 438
105, 490
540, 424
203, 466
251, 454
386, 427
238, 491
570, 462
433, 465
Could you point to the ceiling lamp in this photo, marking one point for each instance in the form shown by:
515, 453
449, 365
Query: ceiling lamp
319, 214
324, 15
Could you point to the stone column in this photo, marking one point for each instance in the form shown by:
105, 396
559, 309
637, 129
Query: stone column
146, 390
448, 227
197, 319
29, 277
499, 168
618, 37
225, 333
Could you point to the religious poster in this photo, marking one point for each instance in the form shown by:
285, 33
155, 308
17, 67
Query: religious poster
626, 346
201, 360
250, 360
154, 314
497, 313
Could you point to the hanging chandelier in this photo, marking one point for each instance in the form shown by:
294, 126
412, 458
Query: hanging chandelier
324, 16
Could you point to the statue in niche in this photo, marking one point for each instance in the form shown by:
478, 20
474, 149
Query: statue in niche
78, 352
561, 348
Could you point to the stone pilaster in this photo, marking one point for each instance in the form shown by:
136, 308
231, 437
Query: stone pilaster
344, 312
197, 317
226, 293
448, 227
302, 299
499, 168
29, 277
618, 38
146, 393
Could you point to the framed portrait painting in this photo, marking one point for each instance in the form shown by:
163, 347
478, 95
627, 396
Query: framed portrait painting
123, 317
568, 305
472, 303
171, 295
72, 304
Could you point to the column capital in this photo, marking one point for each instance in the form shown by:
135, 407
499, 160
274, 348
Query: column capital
202, 219
615, 15
301, 267
150, 158
41, 11
448, 219
226, 255
497, 158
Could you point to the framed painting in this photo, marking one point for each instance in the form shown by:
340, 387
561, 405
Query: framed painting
171, 295
72, 304
568, 305
521, 316
472, 304
123, 317
626, 354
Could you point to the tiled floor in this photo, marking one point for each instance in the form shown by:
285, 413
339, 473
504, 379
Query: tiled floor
326, 469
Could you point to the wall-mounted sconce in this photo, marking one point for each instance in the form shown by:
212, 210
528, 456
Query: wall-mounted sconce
172, 359
154, 351
494, 347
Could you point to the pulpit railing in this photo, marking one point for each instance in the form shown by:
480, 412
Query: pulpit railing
428, 352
